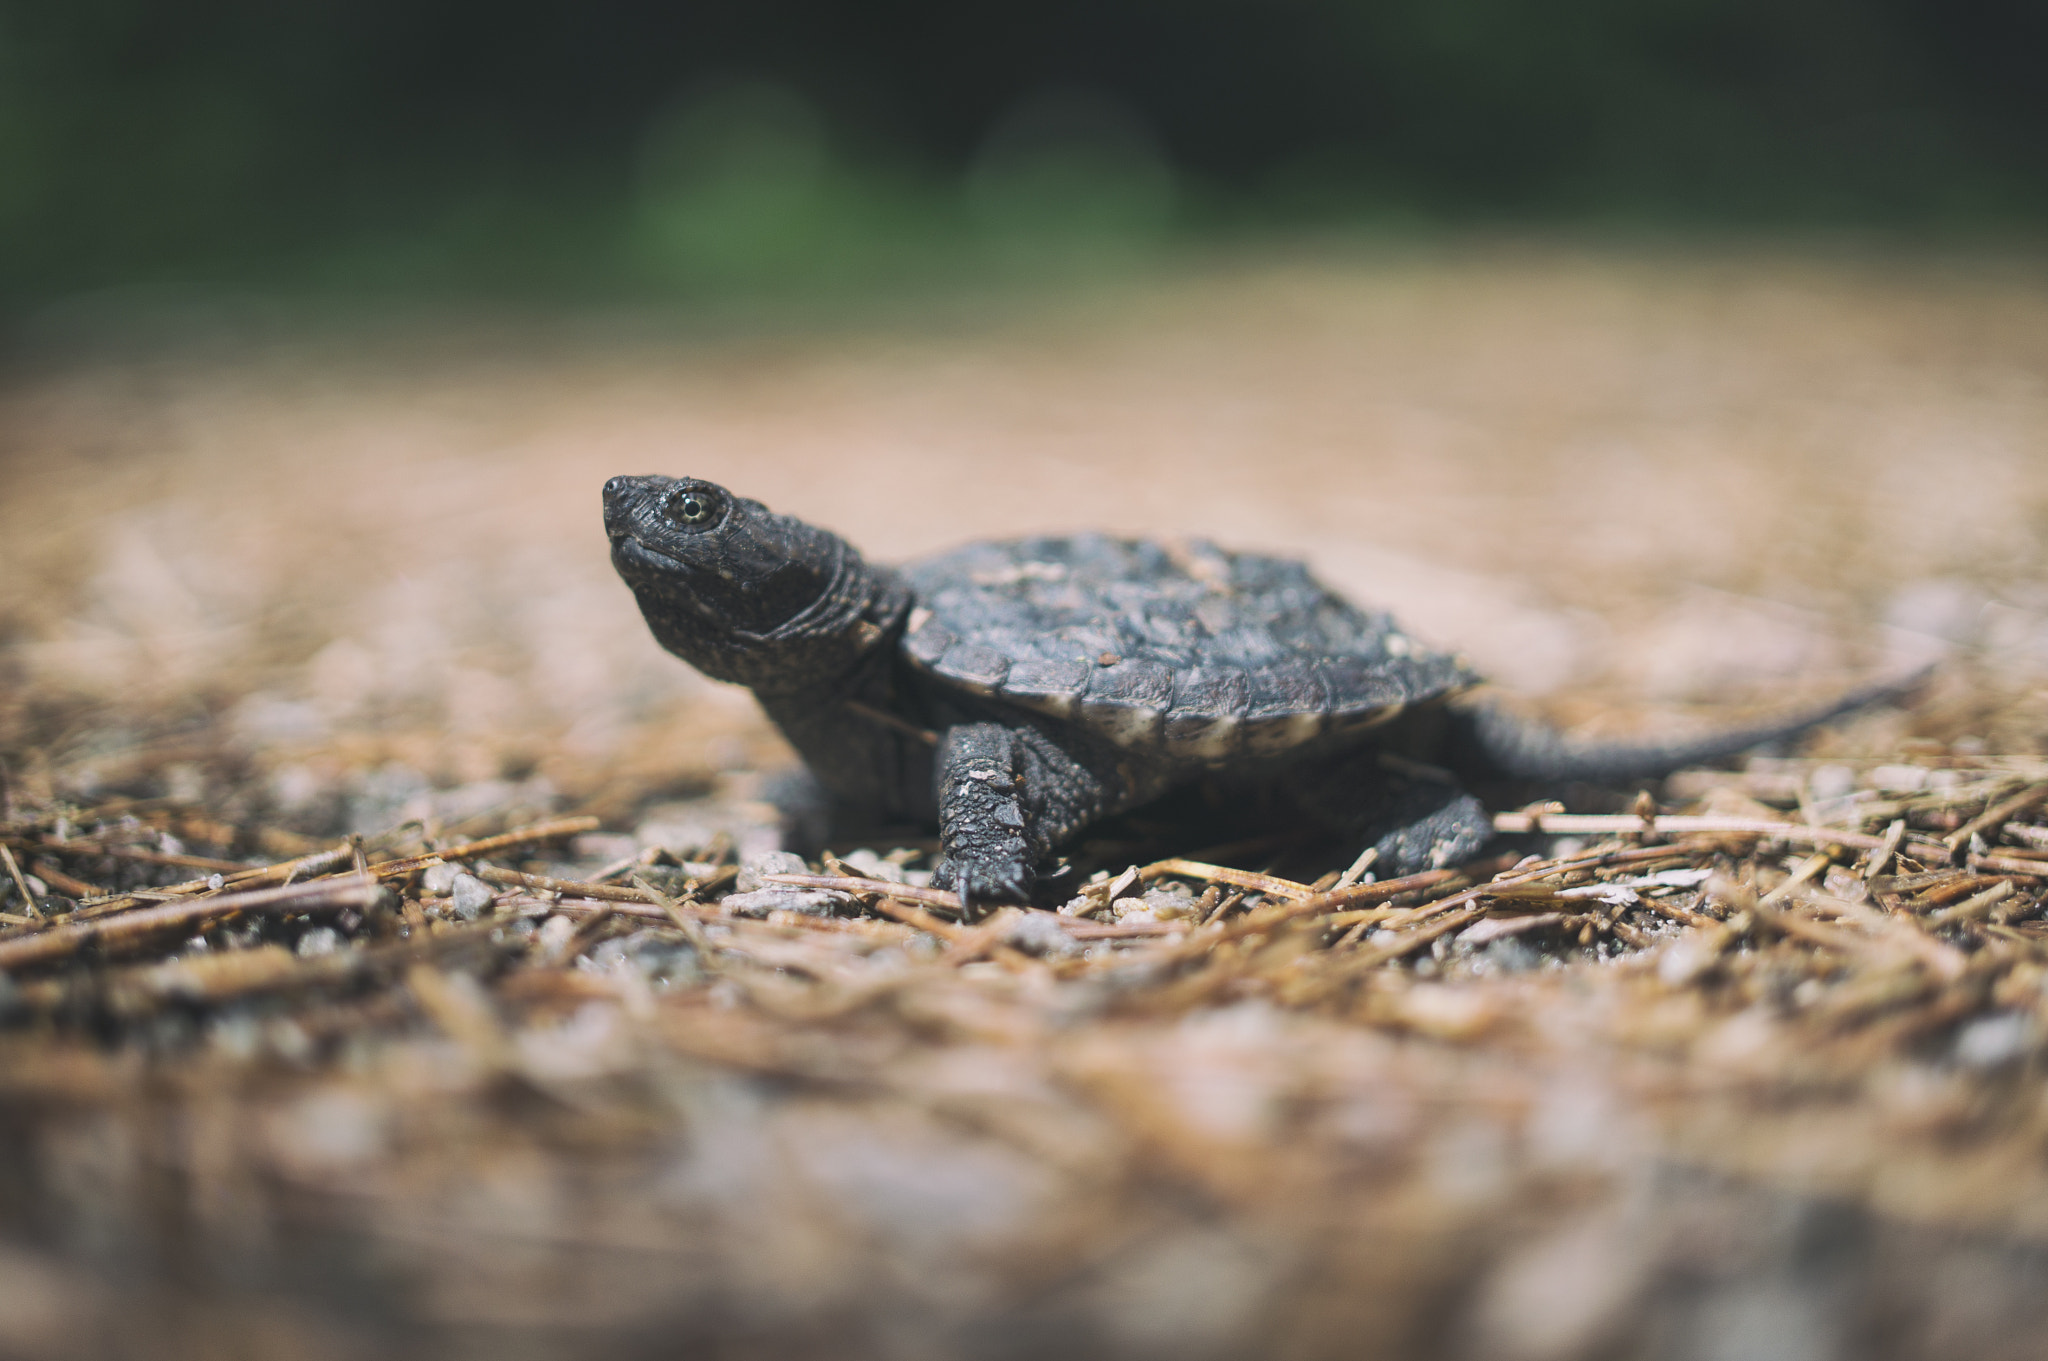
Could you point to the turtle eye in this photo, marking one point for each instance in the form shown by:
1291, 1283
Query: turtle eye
692, 508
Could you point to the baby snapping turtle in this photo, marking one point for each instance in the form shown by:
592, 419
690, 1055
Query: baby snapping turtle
1014, 692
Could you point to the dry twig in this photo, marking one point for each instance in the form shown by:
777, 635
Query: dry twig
56, 942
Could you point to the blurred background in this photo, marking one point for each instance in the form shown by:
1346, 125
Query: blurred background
647, 150
1676, 352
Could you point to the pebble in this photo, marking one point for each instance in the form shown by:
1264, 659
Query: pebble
321, 940
770, 862
656, 955
866, 863
809, 901
471, 896
1169, 903
1040, 933
439, 880
1994, 1040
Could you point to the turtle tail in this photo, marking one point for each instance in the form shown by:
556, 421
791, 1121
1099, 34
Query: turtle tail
1488, 742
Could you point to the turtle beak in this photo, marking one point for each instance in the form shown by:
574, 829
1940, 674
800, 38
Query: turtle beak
622, 496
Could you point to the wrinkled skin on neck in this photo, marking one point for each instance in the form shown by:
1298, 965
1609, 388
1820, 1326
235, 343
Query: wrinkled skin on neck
744, 594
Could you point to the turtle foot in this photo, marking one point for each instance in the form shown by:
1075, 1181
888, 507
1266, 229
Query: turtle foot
985, 884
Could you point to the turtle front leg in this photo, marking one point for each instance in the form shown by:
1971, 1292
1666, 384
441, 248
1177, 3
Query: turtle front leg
1006, 797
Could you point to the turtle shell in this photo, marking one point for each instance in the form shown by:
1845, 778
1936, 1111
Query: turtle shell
1178, 649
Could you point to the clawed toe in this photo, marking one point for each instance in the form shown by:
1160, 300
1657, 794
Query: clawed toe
983, 885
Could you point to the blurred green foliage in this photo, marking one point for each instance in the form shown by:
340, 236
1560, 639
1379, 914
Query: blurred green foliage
616, 146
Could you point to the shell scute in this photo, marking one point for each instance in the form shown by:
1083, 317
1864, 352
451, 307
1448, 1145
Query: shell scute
1187, 650
1207, 719
1361, 697
975, 666
1133, 683
1053, 686
1289, 707
928, 643
1212, 692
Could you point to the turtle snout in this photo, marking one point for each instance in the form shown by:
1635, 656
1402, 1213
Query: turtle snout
618, 493
621, 496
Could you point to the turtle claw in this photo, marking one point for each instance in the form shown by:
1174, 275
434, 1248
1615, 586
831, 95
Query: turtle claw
982, 885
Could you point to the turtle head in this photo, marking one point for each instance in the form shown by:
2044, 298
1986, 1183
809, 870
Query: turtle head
741, 593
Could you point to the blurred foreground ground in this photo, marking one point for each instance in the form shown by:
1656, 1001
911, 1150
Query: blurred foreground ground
256, 595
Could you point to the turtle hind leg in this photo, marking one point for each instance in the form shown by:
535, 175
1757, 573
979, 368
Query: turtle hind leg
1007, 796
1416, 820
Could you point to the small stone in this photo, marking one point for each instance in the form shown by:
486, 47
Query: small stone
778, 897
236, 1034
674, 880
321, 940
289, 1041
769, 862
1994, 1040
216, 882
439, 880
656, 956
1040, 933
603, 846
1510, 955
1684, 960
1830, 782
1898, 779
555, 933
472, 895
1169, 904
866, 863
